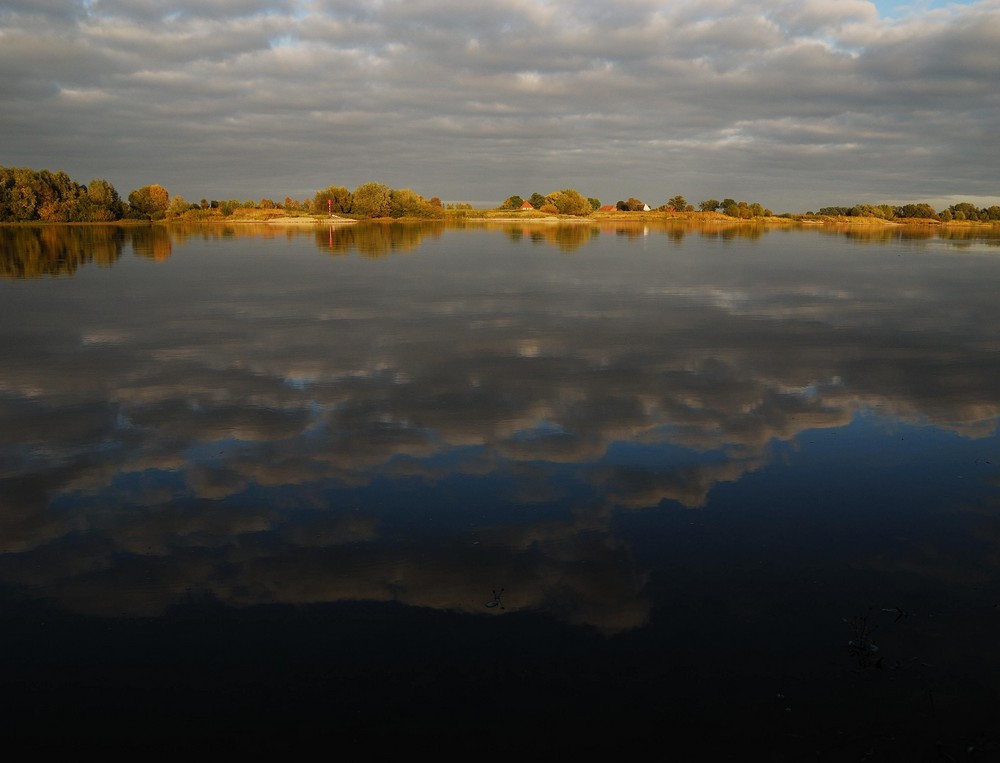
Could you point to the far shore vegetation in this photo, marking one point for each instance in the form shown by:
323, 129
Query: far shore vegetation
42, 196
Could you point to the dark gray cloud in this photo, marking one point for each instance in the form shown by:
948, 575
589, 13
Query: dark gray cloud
794, 104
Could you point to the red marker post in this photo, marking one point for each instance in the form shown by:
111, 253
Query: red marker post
329, 206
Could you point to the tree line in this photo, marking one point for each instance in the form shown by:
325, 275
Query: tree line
962, 211
571, 202
28, 195
374, 200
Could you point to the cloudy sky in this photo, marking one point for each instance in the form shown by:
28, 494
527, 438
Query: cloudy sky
797, 105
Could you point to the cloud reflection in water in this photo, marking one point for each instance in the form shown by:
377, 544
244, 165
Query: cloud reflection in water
245, 419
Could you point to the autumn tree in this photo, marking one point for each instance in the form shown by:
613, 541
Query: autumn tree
709, 205
149, 201
26, 194
677, 202
569, 202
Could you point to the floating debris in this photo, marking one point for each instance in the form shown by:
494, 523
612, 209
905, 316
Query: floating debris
495, 601
861, 645
900, 613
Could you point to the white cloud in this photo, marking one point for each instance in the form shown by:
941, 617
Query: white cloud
187, 93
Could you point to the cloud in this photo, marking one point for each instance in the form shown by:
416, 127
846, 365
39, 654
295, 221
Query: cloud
251, 99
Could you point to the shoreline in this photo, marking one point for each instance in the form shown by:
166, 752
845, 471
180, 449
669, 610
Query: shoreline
485, 216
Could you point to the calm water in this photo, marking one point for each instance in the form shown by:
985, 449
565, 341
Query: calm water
553, 488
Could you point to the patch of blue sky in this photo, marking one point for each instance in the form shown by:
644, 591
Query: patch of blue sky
283, 41
895, 9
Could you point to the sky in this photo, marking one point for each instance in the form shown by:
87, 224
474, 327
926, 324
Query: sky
796, 105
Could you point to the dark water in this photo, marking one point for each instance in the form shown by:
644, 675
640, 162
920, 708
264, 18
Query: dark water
718, 493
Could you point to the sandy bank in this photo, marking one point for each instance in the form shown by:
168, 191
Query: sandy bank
307, 220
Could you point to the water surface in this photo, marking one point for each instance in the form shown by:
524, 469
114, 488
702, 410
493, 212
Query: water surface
584, 487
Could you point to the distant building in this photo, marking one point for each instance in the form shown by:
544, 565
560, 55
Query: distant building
526, 205
645, 208
608, 208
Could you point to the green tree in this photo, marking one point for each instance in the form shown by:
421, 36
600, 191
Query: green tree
372, 200
512, 202
595, 204
966, 210
631, 205
407, 203
915, 210
677, 202
335, 199
537, 200
178, 206
709, 205
105, 203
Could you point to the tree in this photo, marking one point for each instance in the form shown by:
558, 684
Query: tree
966, 210
915, 210
512, 202
709, 205
631, 205
678, 202
407, 203
372, 200
595, 204
178, 206
105, 203
335, 199
149, 201
537, 200
570, 202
